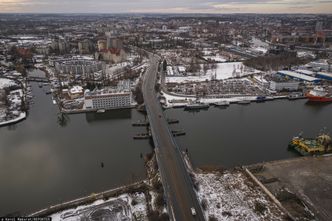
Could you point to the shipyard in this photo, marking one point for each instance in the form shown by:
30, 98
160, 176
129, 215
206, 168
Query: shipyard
166, 117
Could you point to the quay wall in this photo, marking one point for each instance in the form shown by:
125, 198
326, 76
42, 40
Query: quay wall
138, 186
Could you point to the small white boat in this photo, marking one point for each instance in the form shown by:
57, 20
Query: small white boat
101, 111
222, 103
244, 101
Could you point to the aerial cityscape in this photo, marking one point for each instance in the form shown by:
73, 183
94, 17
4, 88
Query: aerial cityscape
155, 110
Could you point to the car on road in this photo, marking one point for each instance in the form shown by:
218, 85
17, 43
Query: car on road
193, 211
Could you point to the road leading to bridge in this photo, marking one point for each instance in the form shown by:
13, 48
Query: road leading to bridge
179, 192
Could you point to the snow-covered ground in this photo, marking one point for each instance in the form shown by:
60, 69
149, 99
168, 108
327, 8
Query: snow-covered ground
11, 113
174, 101
232, 196
260, 50
4, 82
123, 207
216, 58
223, 71
259, 43
303, 54
259, 46
21, 116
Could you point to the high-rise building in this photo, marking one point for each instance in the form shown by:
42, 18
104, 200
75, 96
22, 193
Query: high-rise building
113, 41
102, 45
319, 26
63, 46
84, 46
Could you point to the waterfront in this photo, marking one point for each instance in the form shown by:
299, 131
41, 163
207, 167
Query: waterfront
246, 134
44, 163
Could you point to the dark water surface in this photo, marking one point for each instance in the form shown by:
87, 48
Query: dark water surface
246, 134
42, 163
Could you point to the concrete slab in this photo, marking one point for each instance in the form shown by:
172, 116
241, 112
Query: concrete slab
303, 185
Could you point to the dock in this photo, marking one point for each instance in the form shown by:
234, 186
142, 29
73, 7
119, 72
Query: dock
142, 136
177, 133
172, 121
140, 124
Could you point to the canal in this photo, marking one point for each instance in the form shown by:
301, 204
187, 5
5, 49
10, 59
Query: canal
48, 159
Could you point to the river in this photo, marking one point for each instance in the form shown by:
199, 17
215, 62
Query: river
44, 161
247, 134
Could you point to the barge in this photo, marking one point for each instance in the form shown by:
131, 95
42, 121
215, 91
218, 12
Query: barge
312, 146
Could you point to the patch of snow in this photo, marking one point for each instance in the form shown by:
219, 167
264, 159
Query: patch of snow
232, 196
4, 83
223, 71
123, 207
22, 115
217, 58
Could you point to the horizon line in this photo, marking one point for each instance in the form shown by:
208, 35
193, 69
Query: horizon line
166, 13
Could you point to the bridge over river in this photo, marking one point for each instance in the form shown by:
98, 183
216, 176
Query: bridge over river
178, 187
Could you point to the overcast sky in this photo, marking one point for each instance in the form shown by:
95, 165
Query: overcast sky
168, 6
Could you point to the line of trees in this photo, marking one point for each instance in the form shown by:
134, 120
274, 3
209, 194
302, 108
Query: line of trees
275, 62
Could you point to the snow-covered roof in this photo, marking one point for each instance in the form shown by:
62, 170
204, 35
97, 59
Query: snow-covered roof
294, 74
307, 72
76, 90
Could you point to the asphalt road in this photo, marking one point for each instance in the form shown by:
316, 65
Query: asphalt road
179, 192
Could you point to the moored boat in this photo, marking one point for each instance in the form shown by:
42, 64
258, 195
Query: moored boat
260, 99
295, 95
196, 106
319, 94
221, 103
312, 146
101, 111
244, 101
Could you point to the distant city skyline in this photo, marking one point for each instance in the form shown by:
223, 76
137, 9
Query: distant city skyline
169, 6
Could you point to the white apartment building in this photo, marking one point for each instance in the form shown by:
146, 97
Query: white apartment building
284, 85
97, 100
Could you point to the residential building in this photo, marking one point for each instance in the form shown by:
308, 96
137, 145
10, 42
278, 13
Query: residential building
104, 99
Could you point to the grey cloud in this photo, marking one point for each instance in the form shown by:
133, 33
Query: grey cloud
111, 6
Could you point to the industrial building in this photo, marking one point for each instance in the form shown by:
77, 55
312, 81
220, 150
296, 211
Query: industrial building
320, 65
298, 76
278, 84
105, 99
306, 72
324, 75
